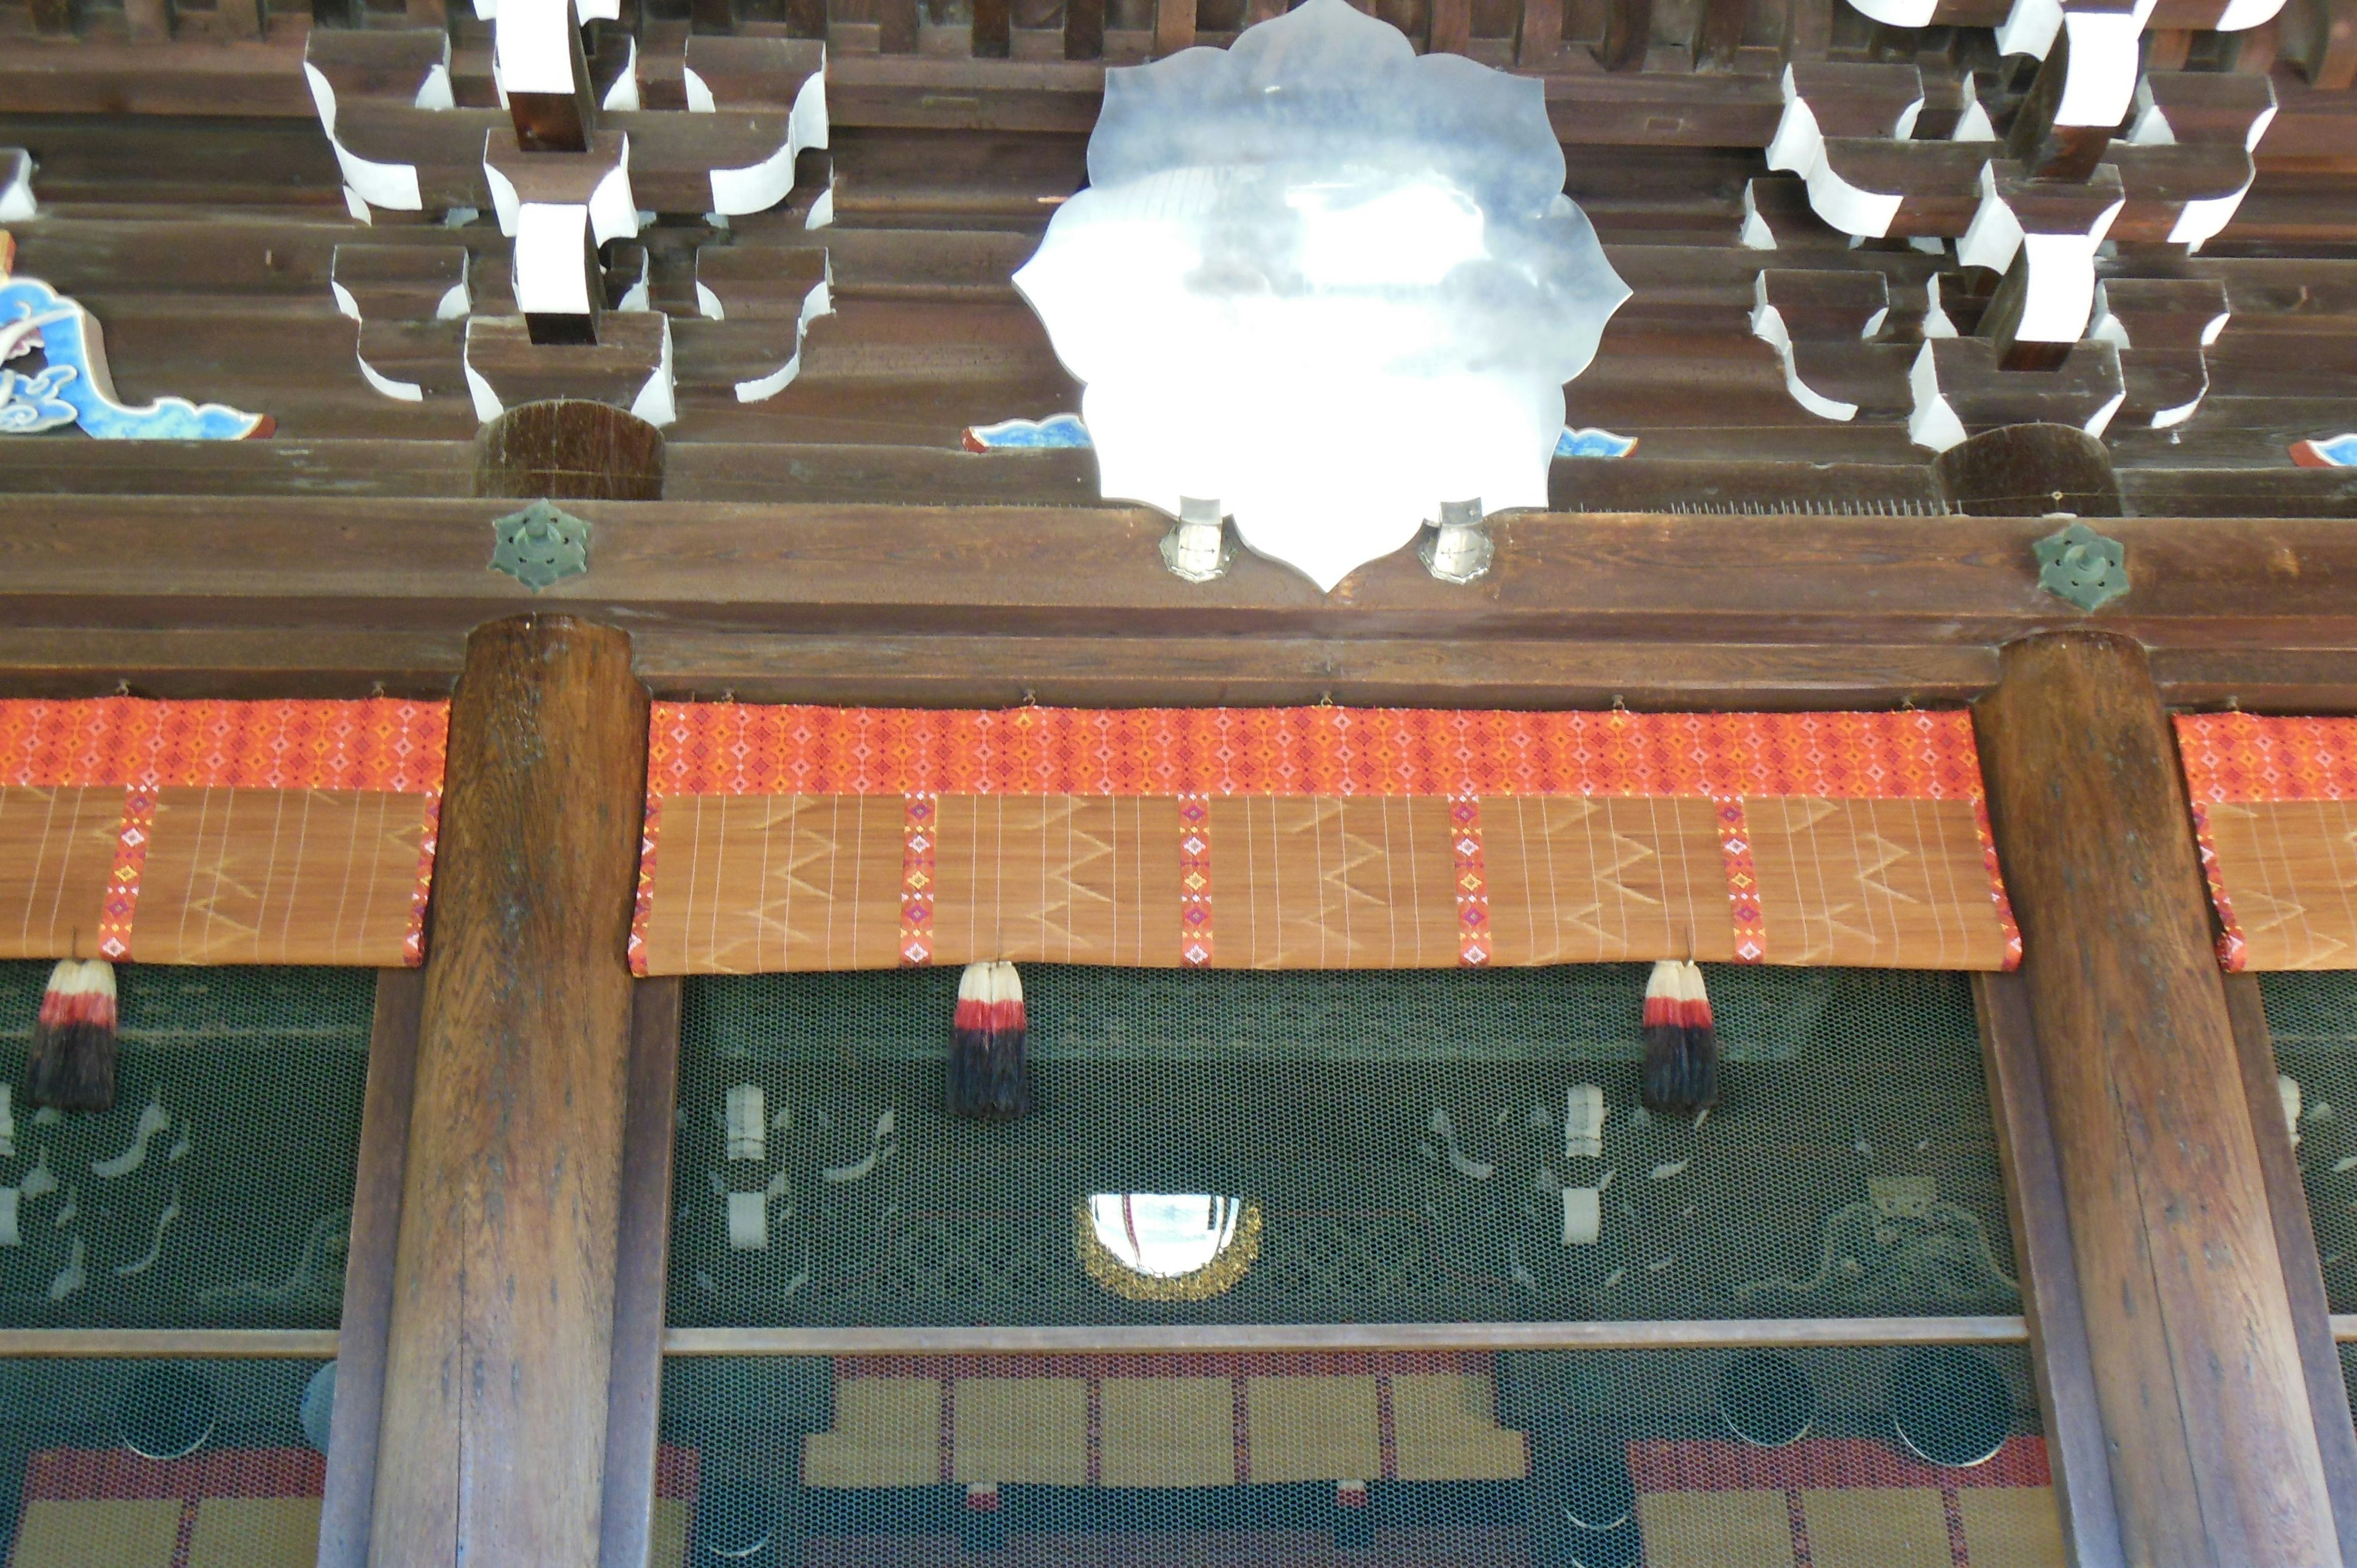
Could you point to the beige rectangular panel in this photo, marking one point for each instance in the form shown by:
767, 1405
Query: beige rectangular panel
1057, 879
2289, 871
1876, 1527
255, 1533
1444, 1429
887, 1433
1313, 1429
667, 1536
753, 883
1716, 1530
1891, 884
2011, 1527
1020, 1430
279, 876
109, 1534
1595, 880
1167, 1431
56, 852
1332, 883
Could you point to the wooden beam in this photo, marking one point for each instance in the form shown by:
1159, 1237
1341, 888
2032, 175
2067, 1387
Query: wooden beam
218, 1343
494, 1431
642, 1280
2037, 1211
418, 566
569, 449
1084, 26
1174, 26
2195, 1359
1171, 1339
361, 1340
2328, 1392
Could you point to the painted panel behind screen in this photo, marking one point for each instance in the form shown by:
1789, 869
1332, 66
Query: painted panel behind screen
160, 1464
1400, 1133
1455, 1458
217, 1192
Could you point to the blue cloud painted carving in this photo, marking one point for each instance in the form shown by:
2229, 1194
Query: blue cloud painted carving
73, 387
1065, 431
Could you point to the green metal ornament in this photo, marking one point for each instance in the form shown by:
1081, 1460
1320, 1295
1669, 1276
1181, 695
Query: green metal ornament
2082, 568
540, 545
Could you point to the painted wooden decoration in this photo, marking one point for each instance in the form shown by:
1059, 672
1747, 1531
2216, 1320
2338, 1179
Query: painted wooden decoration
70, 385
1065, 431
2327, 452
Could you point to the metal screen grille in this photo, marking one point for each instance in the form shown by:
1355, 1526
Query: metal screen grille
2313, 1017
1921, 1458
1396, 1140
217, 1192
159, 1464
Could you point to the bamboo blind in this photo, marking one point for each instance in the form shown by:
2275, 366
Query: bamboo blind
2274, 809
217, 833
807, 838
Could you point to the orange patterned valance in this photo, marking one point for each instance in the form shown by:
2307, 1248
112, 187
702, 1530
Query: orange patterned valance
809, 838
219, 832
2275, 808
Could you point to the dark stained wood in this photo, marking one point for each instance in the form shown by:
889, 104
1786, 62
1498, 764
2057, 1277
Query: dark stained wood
569, 450
2028, 470
58, 18
1084, 26
1174, 26
641, 1277
2320, 1358
992, 35
494, 1430
147, 21
345, 1505
896, 26
1452, 26
1627, 33
2195, 1360
1718, 33
990, 672
2050, 1276
145, 561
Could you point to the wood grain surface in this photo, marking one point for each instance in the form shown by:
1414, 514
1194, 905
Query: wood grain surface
361, 1339
493, 1440
2057, 1318
642, 1278
2194, 1354
2320, 1358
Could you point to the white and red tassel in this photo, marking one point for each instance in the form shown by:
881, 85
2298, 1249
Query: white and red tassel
1681, 1040
989, 1078
74, 1040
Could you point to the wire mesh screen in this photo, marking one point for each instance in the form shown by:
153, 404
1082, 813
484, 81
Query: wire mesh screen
1921, 1458
2313, 1017
217, 1192
161, 1464
1291, 1146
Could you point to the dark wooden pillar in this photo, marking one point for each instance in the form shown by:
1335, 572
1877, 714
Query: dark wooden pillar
493, 1440
2194, 1359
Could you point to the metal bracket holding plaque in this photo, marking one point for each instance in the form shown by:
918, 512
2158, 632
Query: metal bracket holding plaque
541, 545
1197, 549
1459, 549
2082, 568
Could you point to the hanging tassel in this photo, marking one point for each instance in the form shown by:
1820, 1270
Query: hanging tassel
72, 1063
989, 1078
1681, 1040
1665, 1035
